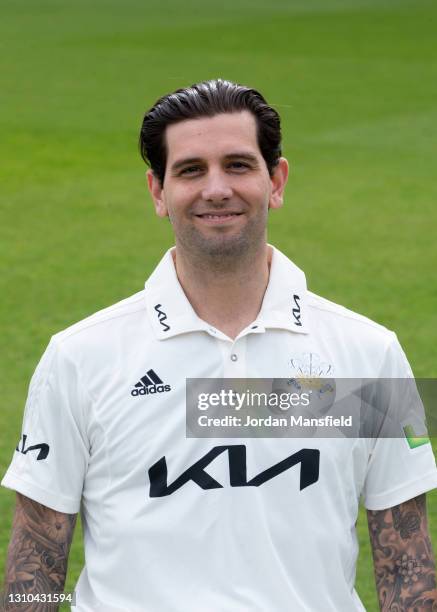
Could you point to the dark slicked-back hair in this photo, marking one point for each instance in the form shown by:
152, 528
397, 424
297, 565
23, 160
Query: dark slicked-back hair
208, 99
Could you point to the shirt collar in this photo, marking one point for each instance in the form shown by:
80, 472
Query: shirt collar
284, 305
285, 300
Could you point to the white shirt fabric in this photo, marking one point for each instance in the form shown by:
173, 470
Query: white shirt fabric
230, 549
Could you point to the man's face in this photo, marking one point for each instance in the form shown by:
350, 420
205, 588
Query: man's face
217, 189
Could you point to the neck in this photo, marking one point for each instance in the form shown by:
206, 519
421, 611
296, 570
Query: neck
226, 294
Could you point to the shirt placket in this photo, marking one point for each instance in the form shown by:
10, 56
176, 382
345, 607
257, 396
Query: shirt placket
234, 358
234, 352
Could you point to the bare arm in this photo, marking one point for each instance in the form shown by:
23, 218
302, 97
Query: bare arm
38, 553
403, 559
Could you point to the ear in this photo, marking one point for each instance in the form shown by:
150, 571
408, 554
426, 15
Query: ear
279, 180
156, 191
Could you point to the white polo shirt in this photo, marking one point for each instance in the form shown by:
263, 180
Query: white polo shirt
105, 417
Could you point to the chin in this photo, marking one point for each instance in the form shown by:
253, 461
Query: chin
224, 246
218, 245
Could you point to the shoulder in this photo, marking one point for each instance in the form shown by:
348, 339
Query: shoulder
100, 333
362, 346
324, 310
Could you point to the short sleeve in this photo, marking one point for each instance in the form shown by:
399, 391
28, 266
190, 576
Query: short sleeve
50, 461
399, 467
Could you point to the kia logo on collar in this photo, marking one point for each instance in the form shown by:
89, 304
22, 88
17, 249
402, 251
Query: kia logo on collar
296, 311
162, 317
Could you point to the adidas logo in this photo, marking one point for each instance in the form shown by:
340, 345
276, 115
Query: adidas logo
150, 383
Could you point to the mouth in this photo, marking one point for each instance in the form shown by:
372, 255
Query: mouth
219, 217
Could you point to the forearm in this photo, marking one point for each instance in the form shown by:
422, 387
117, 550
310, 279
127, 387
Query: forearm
403, 558
37, 555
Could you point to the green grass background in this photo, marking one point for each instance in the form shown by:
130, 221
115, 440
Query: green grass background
355, 82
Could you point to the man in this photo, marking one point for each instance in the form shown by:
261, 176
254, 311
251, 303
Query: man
180, 524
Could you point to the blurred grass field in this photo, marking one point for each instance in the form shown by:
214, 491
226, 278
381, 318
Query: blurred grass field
355, 82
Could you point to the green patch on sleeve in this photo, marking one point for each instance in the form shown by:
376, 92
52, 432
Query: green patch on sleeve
413, 439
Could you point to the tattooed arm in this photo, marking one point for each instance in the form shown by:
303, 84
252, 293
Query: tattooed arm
403, 559
38, 553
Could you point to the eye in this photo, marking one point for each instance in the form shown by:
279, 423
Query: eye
239, 166
189, 170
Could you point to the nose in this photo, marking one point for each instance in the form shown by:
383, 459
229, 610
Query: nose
216, 187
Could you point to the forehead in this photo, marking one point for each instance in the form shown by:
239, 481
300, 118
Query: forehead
212, 136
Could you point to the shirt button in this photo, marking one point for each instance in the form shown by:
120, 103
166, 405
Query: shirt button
234, 357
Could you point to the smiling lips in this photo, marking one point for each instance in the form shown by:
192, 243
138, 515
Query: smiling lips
219, 217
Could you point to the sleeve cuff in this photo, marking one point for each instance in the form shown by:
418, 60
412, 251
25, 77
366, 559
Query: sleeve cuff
55, 501
402, 494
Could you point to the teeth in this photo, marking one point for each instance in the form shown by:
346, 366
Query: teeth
219, 216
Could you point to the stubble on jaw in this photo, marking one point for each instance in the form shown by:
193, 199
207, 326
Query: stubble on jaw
222, 253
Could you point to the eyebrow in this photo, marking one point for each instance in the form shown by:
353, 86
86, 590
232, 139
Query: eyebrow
195, 160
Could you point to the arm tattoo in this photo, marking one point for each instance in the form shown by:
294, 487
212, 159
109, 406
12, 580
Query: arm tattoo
403, 558
38, 553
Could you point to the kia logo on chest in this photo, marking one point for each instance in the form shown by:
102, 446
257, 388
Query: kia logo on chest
308, 458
